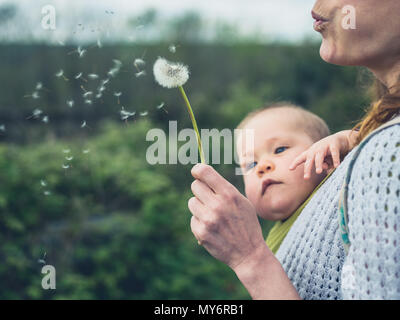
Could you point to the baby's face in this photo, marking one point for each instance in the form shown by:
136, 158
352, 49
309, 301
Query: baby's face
274, 190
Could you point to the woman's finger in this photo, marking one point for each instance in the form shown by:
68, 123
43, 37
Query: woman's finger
211, 178
197, 208
202, 192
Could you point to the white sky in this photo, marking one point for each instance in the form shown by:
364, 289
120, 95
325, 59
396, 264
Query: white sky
277, 19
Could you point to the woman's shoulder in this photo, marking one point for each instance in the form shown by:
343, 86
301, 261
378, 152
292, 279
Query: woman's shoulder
375, 178
381, 152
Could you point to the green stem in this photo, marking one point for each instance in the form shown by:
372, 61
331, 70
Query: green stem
189, 108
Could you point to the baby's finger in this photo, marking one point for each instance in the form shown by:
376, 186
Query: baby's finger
298, 160
319, 159
308, 166
335, 155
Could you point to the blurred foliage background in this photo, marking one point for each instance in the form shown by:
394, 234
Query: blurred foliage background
75, 187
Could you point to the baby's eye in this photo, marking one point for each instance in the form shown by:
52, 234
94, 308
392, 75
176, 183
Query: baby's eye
251, 165
280, 149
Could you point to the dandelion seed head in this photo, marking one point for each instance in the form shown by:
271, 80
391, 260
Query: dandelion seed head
170, 74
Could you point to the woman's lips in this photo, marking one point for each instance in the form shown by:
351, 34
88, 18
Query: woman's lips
319, 22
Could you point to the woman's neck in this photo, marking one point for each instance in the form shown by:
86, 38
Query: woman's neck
389, 74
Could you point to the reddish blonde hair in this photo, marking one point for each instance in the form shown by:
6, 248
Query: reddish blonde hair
385, 106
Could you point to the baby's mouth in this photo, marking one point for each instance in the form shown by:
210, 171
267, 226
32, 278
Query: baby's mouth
266, 184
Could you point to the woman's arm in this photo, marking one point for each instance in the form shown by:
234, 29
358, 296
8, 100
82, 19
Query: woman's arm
264, 278
226, 224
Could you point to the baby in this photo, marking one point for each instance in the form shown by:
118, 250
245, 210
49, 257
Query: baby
276, 182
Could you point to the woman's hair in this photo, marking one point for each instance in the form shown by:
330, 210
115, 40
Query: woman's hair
386, 105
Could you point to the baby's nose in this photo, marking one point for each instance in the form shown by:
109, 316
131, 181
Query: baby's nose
264, 167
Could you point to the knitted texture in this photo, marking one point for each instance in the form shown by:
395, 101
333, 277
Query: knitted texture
312, 253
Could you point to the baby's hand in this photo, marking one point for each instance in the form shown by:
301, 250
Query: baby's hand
326, 153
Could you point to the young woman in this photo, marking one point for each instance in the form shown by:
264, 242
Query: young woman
312, 263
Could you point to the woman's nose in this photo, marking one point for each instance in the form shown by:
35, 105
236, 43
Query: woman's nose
264, 167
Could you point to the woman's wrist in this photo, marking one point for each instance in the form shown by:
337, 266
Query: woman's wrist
263, 276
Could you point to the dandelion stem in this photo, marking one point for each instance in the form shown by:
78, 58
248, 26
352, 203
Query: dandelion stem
189, 108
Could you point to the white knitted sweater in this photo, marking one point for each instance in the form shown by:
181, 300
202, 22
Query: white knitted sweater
312, 253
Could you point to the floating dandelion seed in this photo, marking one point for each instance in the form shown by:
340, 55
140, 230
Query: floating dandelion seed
35, 95
174, 75
117, 63
172, 48
45, 119
81, 52
86, 151
65, 166
70, 103
105, 81
35, 114
87, 93
47, 193
98, 96
125, 115
139, 63
160, 105
102, 88
60, 74
83, 124
143, 114
88, 101
93, 76
99, 45
43, 183
2, 127
113, 72
78, 75
69, 158
117, 94
39, 86
140, 74
66, 150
